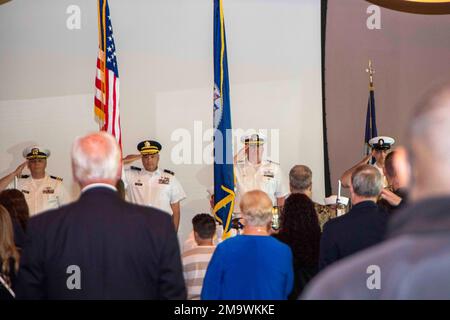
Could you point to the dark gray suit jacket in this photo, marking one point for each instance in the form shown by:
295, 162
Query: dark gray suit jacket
101, 247
363, 226
412, 263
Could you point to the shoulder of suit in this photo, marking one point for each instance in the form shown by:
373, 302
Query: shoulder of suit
337, 222
56, 178
169, 172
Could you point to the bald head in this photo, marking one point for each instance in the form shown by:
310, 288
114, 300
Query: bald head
96, 158
430, 124
429, 145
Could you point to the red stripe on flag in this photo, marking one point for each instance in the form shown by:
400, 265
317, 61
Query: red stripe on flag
97, 103
106, 102
98, 83
113, 125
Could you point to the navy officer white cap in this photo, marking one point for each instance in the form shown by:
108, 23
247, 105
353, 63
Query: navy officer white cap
253, 139
36, 152
381, 142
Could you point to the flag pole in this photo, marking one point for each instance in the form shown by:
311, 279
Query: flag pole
370, 70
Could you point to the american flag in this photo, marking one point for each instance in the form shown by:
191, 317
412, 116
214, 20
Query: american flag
107, 80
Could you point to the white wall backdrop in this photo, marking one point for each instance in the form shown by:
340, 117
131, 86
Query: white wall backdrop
164, 51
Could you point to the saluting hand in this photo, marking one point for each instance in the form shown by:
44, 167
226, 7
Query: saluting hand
241, 154
19, 169
131, 158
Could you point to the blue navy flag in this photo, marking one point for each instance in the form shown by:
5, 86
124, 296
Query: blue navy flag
224, 194
371, 122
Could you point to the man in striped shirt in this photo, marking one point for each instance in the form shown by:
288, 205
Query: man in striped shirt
196, 259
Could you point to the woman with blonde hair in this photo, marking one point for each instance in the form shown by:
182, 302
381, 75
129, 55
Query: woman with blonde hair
9, 256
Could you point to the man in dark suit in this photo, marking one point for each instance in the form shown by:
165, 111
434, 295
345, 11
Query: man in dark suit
100, 247
363, 226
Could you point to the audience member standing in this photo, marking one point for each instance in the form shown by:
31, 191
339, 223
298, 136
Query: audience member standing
252, 265
100, 247
396, 195
300, 181
413, 262
14, 201
196, 259
9, 256
301, 231
363, 226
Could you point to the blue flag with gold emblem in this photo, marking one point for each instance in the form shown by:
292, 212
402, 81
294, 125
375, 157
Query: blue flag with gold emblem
224, 195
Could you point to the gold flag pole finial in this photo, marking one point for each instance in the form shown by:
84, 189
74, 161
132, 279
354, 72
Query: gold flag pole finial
370, 70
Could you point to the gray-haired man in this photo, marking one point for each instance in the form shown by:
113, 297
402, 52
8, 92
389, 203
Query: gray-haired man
363, 226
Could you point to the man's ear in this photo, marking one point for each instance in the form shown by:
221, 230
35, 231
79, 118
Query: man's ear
119, 171
196, 236
73, 174
351, 188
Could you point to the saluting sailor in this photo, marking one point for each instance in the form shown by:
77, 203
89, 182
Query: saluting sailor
151, 186
42, 191
254, 173
380, 148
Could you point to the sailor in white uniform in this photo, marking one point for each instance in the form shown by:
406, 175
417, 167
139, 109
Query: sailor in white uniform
151, 186
380, 148
42, 191
254, 173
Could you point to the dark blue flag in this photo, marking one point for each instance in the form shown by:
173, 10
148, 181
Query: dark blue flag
224, 195
371, 122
